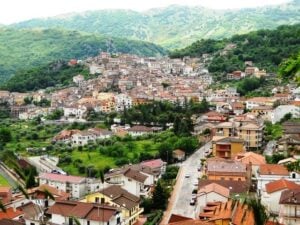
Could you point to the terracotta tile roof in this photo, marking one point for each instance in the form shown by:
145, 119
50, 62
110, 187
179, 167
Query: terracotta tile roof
154, 163
214, 187
121, 197
140, 129
230, 140
279, 185
296, 103
177, 218
178, 152
62, 178
10, 213
10, 222
234, 187
89, 211
291, 197
191, 222
273, 223
236, 212
4, 189
225, 166
31, 210
38, 192
135, 175
273, 169
251, 157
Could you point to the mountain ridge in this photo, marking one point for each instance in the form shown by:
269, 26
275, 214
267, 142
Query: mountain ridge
26, 48
174, 26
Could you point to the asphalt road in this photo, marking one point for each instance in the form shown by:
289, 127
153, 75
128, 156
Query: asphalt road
270, 148
186, 186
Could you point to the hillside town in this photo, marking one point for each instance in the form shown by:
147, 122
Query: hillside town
236, 156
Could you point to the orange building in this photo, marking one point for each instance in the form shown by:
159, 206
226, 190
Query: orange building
231, 212
228, 147
225, 169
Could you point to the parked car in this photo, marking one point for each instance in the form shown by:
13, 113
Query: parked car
193, 201
187, 175
194, 196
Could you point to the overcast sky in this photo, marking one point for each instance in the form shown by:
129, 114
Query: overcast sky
17, 10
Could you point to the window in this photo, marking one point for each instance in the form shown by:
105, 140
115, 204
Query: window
88, 222
97, 199
102, 200
32, 224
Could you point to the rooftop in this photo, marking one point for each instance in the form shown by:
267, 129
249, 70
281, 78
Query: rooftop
62, 178
279, 185
273, 169
89, 211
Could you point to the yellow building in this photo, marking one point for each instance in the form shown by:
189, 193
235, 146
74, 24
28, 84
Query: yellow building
252, 134
226, 129
118, 197
227, 147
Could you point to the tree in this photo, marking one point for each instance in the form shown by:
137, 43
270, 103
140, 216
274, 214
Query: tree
160, 197
286, 117
5, 135
56, 114
30, 180
260, 213
165, 151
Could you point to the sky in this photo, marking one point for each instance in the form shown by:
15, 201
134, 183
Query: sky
12, 11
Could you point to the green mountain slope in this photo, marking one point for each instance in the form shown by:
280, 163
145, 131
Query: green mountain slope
174, 26
266, 48
57, 73
23, 49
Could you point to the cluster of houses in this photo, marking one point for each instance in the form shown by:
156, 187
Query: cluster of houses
250, 70
91, 135
62, 199
132, 80
234, 171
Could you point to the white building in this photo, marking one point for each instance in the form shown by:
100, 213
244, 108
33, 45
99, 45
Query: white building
75, 185
272, 172
270, 194
282, 110
83, 138
74, 111
211, 193
131, 180
123, 101
139, 130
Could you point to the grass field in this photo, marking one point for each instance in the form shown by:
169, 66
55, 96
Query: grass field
100, 161
3, 181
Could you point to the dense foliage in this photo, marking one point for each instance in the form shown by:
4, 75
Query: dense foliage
163, 113
290, 69
24, 49
266, 48
174, 26
53, 74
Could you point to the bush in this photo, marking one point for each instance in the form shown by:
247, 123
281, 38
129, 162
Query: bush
121, 161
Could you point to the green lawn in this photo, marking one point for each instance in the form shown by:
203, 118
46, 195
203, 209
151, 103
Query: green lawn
3, 181
100, 161
88, 159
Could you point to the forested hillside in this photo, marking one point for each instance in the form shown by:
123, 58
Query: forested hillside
173, 26
266, 48
24, 49
53, 74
